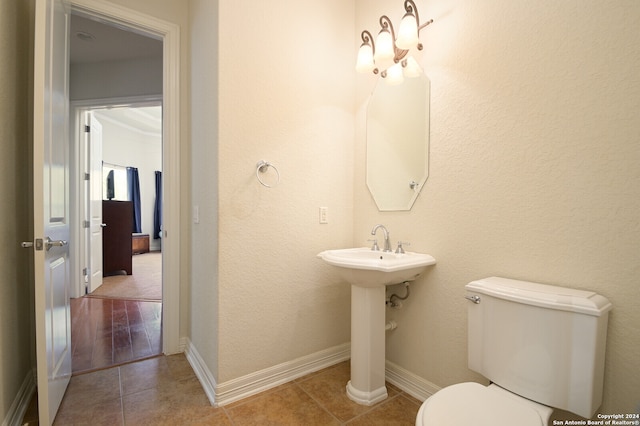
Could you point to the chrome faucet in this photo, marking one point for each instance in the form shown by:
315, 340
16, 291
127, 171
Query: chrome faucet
387, 243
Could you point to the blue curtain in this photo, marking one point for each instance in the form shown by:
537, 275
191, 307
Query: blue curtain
133, 183
157, 209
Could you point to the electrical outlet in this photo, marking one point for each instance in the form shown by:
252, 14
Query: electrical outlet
324, 215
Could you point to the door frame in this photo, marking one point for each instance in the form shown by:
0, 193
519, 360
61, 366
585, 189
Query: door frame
169, 33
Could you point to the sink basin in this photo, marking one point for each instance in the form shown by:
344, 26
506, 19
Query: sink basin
364, 267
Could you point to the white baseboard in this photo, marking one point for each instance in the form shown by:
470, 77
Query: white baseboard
254, 383
21, 402
184, 341
220, 394
410, 383
201, 370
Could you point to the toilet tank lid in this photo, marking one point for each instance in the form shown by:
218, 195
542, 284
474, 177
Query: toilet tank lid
547, 296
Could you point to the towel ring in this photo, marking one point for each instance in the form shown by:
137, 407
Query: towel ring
262, 167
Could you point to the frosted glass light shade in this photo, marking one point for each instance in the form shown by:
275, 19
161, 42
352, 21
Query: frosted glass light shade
365, 59
407, 33
412, 69
394, 75
384, 47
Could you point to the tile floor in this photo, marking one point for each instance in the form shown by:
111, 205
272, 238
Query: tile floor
165, 391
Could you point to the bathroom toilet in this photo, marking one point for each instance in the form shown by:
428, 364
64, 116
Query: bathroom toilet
474, 404
541, 346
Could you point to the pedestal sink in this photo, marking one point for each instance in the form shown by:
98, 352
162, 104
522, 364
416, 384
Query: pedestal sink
369, 272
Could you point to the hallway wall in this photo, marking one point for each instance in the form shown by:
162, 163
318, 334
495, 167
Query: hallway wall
16, 295
205, 123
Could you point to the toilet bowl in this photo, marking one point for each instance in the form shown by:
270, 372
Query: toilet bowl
474, 404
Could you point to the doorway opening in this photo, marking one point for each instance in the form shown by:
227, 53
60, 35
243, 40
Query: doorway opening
118, 318
114, 42
57, 212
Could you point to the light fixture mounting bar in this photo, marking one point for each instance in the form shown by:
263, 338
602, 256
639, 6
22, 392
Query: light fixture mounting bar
430, 21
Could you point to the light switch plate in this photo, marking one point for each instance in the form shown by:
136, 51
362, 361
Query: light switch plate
323, 215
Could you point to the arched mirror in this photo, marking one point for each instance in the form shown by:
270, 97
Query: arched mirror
398, 142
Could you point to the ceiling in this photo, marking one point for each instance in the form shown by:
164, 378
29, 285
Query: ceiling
93, 41
146, 120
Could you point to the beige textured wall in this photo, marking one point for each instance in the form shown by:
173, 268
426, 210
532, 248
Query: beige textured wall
15, 283
204, 176
286, 96
534, 170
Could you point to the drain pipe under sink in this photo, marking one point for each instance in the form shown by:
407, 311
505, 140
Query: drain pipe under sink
391, 301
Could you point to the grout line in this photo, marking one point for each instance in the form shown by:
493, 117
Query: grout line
226, 413
93, 332
374, 407
321, 405
119, 364
121, 395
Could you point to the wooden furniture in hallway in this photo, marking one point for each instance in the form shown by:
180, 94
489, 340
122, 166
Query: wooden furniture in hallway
140, 243
117, 217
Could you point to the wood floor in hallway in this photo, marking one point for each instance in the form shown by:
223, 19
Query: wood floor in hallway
108, 332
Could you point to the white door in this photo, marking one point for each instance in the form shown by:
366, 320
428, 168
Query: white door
51, 205
94, 145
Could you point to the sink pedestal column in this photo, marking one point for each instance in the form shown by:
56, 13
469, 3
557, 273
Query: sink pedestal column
367, 384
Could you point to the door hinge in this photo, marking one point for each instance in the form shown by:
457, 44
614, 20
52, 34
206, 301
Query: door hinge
87, 176
85, 271
85, 224
87, 128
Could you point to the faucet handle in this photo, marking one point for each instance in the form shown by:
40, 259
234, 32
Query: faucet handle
400, 249
374, 247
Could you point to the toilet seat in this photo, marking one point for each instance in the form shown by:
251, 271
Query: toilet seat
474, 404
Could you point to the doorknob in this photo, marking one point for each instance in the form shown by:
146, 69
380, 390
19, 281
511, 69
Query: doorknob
28, 244
104, 225
54, 243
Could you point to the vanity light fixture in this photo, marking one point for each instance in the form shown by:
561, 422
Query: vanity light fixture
387, 55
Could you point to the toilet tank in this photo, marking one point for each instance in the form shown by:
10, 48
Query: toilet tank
542, 342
